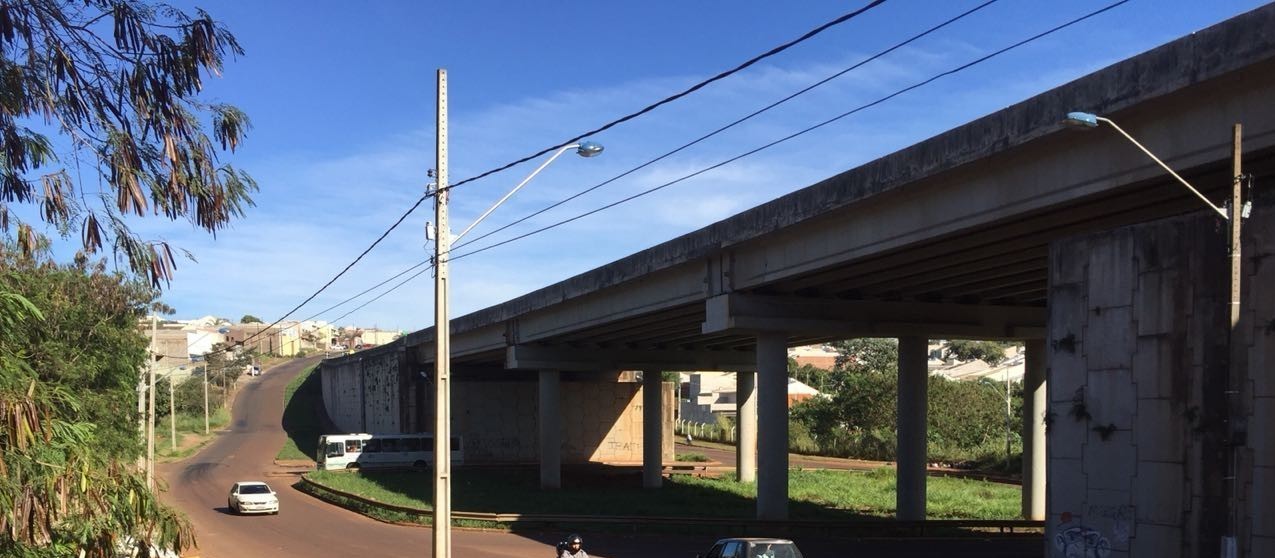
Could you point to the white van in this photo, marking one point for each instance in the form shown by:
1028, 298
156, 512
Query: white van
356, 451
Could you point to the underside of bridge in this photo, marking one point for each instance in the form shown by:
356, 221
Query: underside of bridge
947, 239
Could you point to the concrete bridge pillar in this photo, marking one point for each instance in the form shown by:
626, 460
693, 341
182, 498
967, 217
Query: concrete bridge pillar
746, 422
1034, 406
550, 429
913, 386
652, 429
772, 419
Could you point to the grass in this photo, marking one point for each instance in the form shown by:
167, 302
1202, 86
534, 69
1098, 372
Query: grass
190, 433
693, 457
826, 495
299, 420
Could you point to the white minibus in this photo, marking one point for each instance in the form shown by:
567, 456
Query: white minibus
355, 451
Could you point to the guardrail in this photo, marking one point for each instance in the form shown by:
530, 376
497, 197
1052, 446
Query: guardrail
853, 528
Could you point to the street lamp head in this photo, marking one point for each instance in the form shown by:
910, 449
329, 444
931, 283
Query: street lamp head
1082, 120
589, 149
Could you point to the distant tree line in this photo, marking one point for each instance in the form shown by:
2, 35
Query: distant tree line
857, 415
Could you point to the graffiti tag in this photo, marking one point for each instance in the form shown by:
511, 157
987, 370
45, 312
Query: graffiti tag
1082, 542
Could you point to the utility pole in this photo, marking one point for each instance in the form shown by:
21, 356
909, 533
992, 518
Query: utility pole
172, 414
442, 339
150, 405
142, 464
206, 394
1236, 433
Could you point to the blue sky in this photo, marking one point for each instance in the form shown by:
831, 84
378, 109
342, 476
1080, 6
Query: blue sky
342, 101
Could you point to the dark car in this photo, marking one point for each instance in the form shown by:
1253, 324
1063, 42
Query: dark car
753, 548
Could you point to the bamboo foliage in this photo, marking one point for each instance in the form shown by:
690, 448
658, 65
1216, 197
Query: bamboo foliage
120, 80
62, 491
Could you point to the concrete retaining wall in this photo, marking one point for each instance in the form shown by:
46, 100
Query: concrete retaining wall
1138, 393
1258, 393
601, 420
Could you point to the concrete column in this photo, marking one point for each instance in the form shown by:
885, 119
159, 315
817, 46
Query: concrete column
652, 429
746, 422
913, 389
772, 422
1034, 405
550, 429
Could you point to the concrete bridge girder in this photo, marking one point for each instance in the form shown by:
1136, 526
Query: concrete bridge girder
531, 357
848, 319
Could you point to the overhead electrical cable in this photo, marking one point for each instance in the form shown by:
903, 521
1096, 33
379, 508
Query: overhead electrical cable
776, 142
755, 150
674, 97
738, 121
390, 290
800, 132
338, 275
607, 126
365, 291
715, 132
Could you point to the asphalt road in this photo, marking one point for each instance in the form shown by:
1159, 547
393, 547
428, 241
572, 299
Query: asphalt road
309, 528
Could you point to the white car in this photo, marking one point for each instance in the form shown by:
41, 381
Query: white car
252, 497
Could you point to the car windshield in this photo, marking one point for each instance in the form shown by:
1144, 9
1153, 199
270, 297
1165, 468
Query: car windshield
774, 550
254, 489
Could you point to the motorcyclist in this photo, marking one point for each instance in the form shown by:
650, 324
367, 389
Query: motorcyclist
573, 547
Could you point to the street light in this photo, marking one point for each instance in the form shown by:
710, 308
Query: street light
1235, 347
585, 149
1086, 120
442, 334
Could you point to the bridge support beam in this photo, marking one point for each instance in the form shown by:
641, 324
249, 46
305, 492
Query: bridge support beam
550, 429
652, 429
1034, 406
772, 419
746, 423
913, 385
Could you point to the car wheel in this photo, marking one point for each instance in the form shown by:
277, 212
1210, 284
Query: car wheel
231, 506
352, 466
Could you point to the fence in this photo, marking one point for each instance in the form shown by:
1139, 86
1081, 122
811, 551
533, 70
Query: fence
705, 431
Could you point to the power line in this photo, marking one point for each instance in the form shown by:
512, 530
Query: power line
761, 148
607, 126
803, 131
365, 291
391, 289
688, 91
347, 268
721, 129
771, 144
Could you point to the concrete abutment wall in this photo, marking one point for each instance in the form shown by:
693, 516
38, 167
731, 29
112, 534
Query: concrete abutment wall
1140, 407
498, 420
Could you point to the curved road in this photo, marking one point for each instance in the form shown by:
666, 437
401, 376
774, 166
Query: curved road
309, 528
305, 527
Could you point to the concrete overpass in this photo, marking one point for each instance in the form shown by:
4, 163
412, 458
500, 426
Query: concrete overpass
949, 238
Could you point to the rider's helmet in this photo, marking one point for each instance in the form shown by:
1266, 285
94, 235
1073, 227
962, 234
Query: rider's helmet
574, 540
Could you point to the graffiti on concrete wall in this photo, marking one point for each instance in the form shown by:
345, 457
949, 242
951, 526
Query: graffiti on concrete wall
1117, 520
1079, 541
492, 446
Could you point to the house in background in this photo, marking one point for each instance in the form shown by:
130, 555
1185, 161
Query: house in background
818, 356
706, 395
